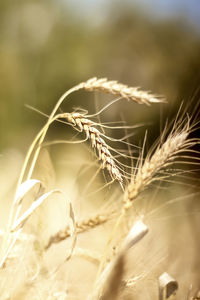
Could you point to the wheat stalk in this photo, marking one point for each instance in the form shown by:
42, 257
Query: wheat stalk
108, 283
121, 90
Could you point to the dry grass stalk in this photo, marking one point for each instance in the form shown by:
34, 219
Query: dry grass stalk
114, 280
165, 154
115, 88
110, 280
22, 191
81, 123
80, 227
18, 222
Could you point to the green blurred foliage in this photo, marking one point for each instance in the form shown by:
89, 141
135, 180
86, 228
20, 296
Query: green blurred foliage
47, 48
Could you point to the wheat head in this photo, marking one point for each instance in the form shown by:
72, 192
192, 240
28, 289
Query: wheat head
82, 124
176, 143
83, 226
121, 90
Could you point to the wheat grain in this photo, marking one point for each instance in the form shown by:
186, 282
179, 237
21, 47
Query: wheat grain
115, 88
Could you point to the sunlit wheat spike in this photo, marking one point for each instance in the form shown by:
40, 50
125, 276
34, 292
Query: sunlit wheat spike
83, 124
83, 226
176, 143
121, 90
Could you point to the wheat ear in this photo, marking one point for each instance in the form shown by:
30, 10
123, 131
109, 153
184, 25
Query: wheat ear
176, 143
121, 90
82, 124
83, 226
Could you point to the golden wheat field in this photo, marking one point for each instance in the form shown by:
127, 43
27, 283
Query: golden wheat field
95, 215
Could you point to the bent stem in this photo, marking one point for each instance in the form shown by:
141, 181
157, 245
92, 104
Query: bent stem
38, 139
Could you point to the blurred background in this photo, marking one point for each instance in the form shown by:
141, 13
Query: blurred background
47, 47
